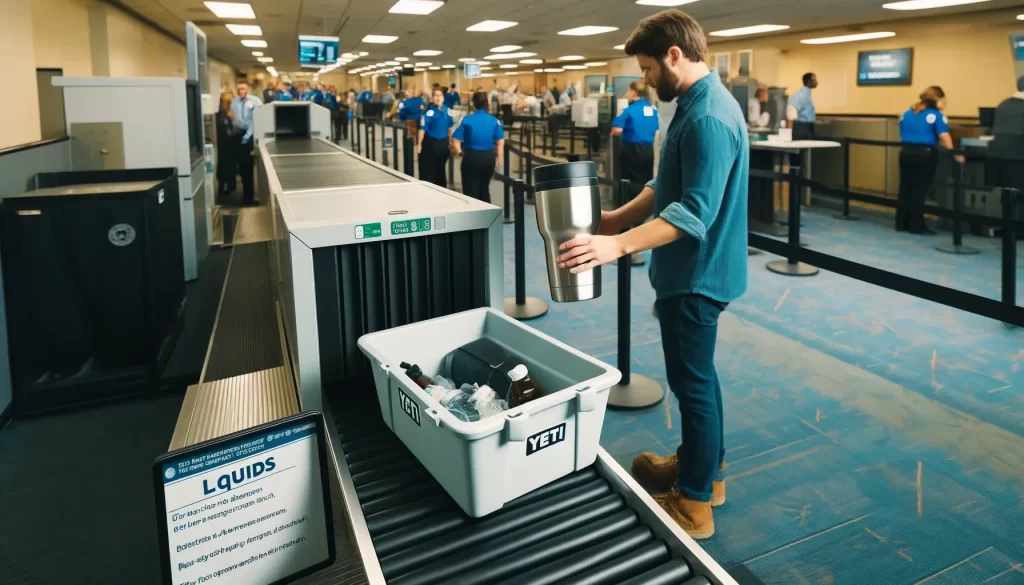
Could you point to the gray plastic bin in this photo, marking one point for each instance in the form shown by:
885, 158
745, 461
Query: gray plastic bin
486, 463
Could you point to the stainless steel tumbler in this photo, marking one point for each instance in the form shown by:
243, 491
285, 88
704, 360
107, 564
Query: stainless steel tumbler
568, 204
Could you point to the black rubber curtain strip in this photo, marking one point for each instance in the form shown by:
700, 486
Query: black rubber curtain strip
673, 572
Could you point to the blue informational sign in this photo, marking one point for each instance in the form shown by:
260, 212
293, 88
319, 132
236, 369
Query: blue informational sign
317, 51
1017, 46
471, 70
892, 67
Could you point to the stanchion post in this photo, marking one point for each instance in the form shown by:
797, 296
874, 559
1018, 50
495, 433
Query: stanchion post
529, 173
790, 266
373, 141
355, 135
366, 138
507, 187
522, 307
408, 152
572, 137
845, 215
394, 147
451, 172
1011, 198
633, 391
958, 246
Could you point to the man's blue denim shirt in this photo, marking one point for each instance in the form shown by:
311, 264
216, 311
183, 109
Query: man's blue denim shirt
701, 188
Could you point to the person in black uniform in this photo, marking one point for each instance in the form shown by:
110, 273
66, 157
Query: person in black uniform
226, 147
922, 128
484, 139
434, 140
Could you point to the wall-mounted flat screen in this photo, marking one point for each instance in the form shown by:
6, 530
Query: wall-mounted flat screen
1017, 46
253, 507
471, 70
892, 67
317, 51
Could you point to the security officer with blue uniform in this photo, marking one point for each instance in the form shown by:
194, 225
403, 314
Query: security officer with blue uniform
284, 93
410, 112
922, 129
452, 98
638, 127
800, 111
434, 140
242, 109
484, 141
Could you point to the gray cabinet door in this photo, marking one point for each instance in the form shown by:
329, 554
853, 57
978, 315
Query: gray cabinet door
97, 146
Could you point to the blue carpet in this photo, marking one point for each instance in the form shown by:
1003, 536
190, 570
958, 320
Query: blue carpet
873, 437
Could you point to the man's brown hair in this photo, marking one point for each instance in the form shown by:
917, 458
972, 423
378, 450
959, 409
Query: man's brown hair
640, 88
656, 34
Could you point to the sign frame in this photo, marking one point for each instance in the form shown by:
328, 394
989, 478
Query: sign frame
320, 432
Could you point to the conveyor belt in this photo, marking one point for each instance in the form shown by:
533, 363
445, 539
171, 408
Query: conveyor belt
325, 171
298, 146
577, 530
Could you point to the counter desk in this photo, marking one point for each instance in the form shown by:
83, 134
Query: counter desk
768, 155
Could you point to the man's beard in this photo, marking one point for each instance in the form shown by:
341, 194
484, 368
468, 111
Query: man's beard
666, 85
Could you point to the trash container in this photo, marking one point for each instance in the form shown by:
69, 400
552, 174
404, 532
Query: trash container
485, 463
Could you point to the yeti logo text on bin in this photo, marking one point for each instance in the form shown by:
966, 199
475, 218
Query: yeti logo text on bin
409, 406
545, 439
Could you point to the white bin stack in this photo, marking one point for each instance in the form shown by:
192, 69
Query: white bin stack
486, 463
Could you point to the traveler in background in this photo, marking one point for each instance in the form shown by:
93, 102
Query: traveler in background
452, 98
387, 99
242, 108
344, 114
495, 96
270, 92
1006, 151
638, 127
434, 142
227, 146
800, 111
484, 140
412, 109
699, 263
565, 99
757, 106
548, 97
365, 96
284, 92
922, 128
330, 101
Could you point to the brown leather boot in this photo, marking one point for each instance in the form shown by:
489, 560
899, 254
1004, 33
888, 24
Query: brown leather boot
658, 474
692, 516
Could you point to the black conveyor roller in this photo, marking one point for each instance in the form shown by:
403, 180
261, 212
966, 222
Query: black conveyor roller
671, 573
698, 580
573, 531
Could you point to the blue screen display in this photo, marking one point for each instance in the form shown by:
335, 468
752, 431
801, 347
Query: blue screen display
317, 51
471, 70
1017, 45
892, 67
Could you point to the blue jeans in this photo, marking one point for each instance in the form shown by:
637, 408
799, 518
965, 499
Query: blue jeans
689, 329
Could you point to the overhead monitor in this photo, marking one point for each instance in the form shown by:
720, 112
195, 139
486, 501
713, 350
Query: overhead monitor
252, 507
891, 67
317, 51
471, 70
1017, 46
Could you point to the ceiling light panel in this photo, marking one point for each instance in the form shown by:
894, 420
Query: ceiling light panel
554, 70
586, 31
435, 68
571, 58
596, 64
363, 53
532, 61
506, 49
254, 43
500, 56
927, 4
749, 30
230, 10
272, 71
245, 30
664, 2
415, 6
508, 66
848, 38
265, 59
466, 60
379, 39
448, 66
574, 66
427, 53
424, 64
621, 47
491, 26
257, 53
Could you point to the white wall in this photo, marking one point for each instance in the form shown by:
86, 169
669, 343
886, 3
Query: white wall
19, 102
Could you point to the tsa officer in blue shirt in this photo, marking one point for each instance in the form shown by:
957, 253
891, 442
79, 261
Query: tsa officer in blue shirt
452, 98
484, 140
242, 109
411, 110
699, 262
922, 129
434, 140
638, 127
800, 111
